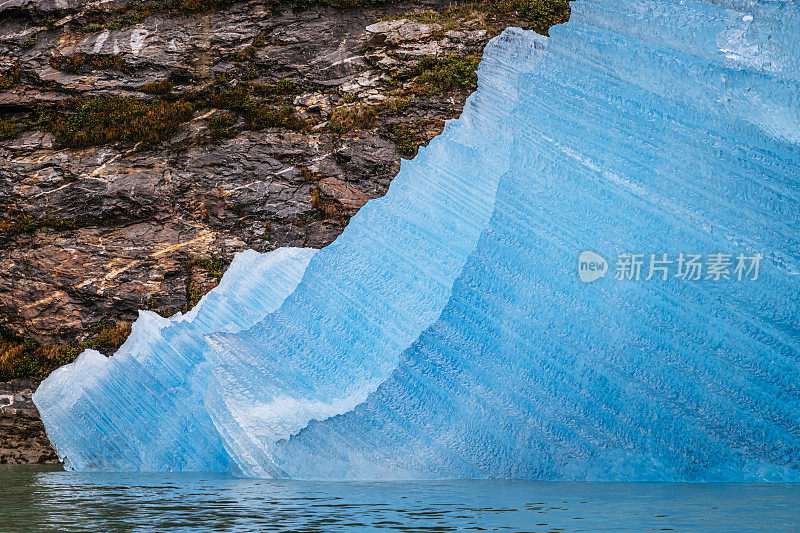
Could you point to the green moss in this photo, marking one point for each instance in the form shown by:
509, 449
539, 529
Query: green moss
108, 338
221, 126
98, 120
215, 266
395, 106
239, 98
9, 78
543, 13
260, 40
201, 6
193, 295
8, 130
133, 13
83, 63
104, 120
358, 117
342, 4
539, 14
26, 224
25, 358
269, 117
440, 76
407, 139
157, 87
28, 359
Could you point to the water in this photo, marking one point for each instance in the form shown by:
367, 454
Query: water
44, 499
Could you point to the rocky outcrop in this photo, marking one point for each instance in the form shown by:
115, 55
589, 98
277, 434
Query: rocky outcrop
97, 230
22, 436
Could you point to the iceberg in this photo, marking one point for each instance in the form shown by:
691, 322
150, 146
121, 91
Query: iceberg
158, 376
215, 391
447, 334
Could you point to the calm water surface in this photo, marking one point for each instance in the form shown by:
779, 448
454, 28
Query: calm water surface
42, 499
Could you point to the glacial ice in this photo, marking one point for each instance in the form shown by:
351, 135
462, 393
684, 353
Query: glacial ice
203, 398
158, 376
446, 332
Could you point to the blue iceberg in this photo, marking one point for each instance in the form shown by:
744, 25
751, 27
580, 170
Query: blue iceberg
448, 333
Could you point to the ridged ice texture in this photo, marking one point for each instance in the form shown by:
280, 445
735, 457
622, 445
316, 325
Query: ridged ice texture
650, 127
143, 408
197, 396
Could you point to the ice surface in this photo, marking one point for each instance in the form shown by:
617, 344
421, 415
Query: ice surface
142, 408
208, 396
446, 332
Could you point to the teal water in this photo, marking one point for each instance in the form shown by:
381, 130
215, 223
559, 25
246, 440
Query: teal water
43, 499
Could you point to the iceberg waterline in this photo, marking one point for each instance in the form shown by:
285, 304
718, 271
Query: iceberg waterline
446, 334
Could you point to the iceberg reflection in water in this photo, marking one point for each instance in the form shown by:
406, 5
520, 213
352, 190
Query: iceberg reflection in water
446, 334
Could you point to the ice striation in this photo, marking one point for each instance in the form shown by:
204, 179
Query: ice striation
206, 396
446, 332
164, 426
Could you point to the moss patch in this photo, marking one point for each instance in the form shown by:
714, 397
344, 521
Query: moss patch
539, 15
543, 13
104, 120
8, 130
84, 63
201, 6
9, 78
215, 266
221, 126
157, 87
345, 119
132, 13
26, 358
407, 139
259, 118
15, 225
440, 76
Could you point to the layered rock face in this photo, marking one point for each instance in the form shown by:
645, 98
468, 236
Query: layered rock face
22, 436
277, 125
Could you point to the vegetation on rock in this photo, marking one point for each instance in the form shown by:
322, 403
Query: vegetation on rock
538, 15
221, 126
157, 87
80, 63
443, 75
108, 119
9, 78
408, 140
26, 358
345, 119
8, 130
392, 99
